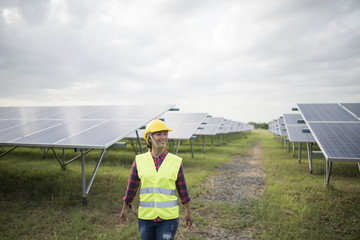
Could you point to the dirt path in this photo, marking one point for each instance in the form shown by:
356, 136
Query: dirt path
237, 183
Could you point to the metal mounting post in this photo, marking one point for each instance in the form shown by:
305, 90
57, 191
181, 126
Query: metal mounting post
177, 147
192, 147
204, 142
309, 150
138, 139
83, 182
85, 191
293, 145
328, 171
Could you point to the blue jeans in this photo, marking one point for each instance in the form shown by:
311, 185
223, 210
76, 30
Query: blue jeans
164, 230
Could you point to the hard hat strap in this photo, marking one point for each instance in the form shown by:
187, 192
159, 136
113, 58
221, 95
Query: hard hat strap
153, 141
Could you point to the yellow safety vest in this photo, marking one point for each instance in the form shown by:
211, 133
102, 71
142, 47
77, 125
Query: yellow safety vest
157, 194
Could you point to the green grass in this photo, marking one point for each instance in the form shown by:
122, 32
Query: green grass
297, 205
39, 200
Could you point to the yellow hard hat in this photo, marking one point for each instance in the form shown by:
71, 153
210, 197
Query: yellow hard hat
155, 125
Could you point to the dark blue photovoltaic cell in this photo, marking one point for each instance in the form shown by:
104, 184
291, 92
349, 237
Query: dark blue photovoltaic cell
339, 141
353, 107
325, 112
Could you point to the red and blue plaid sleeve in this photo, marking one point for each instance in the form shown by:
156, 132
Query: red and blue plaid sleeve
133, 185
181, 186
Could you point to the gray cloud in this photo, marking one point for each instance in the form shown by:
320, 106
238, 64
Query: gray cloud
245, 60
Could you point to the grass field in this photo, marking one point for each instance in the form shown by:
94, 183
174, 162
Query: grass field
39, 200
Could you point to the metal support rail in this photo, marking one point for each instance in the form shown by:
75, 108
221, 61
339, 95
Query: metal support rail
3, 154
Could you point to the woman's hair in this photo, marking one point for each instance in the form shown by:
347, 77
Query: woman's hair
149, 144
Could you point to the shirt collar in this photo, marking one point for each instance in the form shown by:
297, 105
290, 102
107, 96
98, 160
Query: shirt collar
163, 155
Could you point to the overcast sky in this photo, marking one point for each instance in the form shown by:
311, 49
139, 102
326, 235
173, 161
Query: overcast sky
242, 60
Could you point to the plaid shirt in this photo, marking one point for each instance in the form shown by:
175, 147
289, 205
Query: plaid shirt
134, 182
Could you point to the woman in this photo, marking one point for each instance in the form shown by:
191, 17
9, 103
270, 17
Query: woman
159, 174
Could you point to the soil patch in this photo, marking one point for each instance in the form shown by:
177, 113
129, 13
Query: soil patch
237, 183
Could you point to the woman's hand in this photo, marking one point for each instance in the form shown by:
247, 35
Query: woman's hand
189, 220
123, 215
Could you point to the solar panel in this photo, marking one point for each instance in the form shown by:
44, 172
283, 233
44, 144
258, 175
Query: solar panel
25, 130
225, 128
292, 118
336, 131
294, 129
211, 127
183, 125
73, 126
325, 112
282, 128
50, 136
6, 124
353, 108
296, 134
94, 127
341, 141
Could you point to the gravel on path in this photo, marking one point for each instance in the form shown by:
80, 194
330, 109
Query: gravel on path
237, 183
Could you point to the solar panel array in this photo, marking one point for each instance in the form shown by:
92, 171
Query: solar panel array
92, 127
335, 128
95, 127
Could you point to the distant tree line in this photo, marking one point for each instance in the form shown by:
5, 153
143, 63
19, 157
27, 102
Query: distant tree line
260, 125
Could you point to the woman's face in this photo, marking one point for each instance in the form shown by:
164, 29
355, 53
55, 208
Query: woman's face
161, 138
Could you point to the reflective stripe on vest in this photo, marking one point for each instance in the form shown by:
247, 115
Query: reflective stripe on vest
158, 190
159, 204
